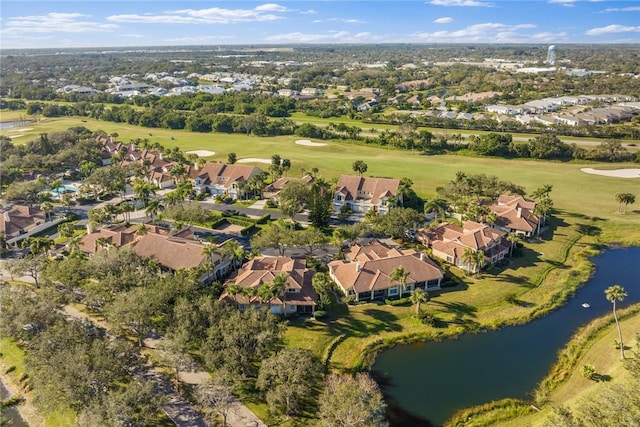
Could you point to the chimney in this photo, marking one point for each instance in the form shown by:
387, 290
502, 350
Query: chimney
358, 268
423, 257
89, 227
519, 211
7, 218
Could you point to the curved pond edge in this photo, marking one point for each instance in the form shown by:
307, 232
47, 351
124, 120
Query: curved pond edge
580, 271
560, 372
579, 274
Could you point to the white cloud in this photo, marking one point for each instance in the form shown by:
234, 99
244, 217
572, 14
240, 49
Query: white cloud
623, 9
565, 3
214, 15
329, 37
490, 33
612, 29
443, 20
348, 20
308, 12
55, 23
271, 7
461, 3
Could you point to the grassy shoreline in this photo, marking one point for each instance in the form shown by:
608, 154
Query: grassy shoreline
598, 332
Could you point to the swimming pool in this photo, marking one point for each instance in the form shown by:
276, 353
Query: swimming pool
64, 189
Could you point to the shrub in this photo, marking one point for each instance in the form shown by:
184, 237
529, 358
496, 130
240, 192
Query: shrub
511, 298
399, 301
428, 319
350, 299
271, 204
319, 314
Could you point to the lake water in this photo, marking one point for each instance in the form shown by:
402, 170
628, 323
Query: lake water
10, 416
9, 125
431, 380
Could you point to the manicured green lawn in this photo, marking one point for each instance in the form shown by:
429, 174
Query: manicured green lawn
574, 192
12, 355
604, 357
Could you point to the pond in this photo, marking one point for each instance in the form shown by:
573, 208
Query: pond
9, 125
431, 380
10, 416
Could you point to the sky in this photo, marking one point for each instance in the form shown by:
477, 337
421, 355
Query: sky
119, 23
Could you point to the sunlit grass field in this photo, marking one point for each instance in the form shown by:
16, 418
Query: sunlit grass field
573, 191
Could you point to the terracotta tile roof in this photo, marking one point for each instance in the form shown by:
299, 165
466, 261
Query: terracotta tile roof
375, 274
374, 250
115, 235
171, 252
364, 188
446, 237
223, 174
20, 218
368, 267
516, 213
274, 188
261, 270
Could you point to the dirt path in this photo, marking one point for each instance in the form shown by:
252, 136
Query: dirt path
177, 408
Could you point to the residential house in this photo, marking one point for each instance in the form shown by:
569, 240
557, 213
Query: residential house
19, 219
116, 235
362, 194
365, 273
298, 297
311, 91
272, 190
515, 214
449, 242
172, 251
175, 252
220, 178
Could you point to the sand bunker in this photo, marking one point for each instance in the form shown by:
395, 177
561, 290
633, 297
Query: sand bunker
201, 153
20, 129
254, 160
616, 173
309, 143
18, 135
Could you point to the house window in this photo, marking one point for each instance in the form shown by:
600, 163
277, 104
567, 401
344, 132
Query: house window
449, 259
292, 290
393, 291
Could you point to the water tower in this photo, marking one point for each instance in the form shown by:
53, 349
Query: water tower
551, 55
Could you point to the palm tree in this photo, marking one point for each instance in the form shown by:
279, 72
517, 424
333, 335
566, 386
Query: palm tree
102, 242
38, 245
543, 206
437, 206
418, 297
143, 191
616, 293
468, 257
279, 288
233, 290
512, 238
153, 207
142, 230
478, 260
400, 275
625, 199
404, 189
234, 251
211, 251
46, 207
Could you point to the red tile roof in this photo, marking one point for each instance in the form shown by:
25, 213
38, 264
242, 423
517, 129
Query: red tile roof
364, 188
